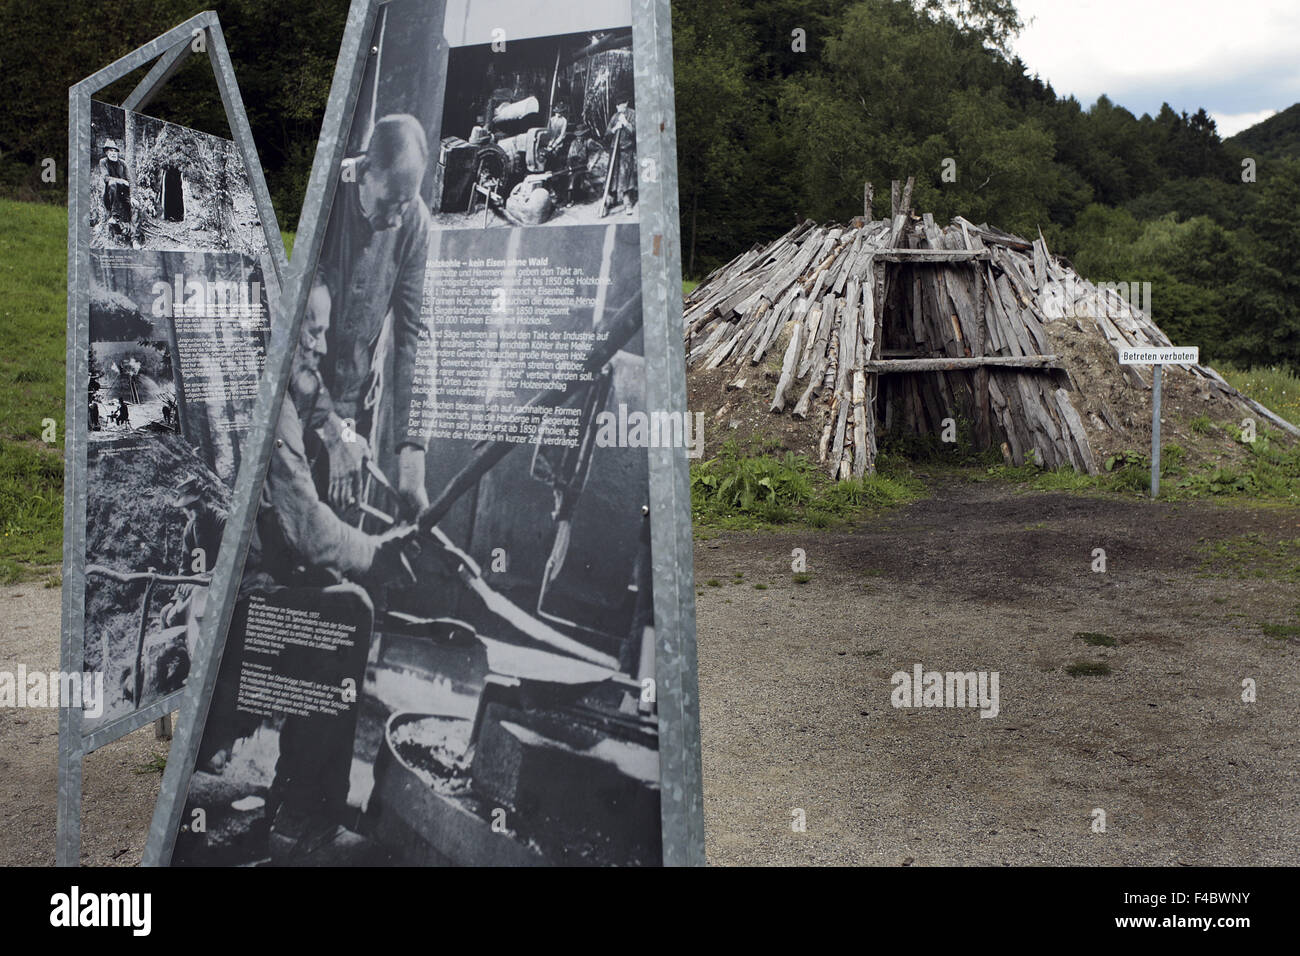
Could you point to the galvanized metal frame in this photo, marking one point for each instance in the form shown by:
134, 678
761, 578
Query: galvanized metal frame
173, 47
672, 541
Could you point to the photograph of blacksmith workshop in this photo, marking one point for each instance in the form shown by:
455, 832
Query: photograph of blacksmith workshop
542, 132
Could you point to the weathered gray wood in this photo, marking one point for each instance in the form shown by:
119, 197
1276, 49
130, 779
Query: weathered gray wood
932, 255
1077, 432
787, 368
907, 196
861, 449
895, 366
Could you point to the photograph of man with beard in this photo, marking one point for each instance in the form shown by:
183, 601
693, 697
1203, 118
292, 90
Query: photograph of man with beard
373, 264
304, 558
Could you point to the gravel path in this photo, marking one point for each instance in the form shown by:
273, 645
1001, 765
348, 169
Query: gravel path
795, 687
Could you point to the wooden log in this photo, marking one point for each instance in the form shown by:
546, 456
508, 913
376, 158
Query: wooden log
932, 255
753, 326
722, 351
896, 366
997, 237
897, 233
781, 313
980, 386
823, 446
1077, 432
812, 326
787, 368
817, 373
861, 450
703, 349
848, 340
1009, 317
906, 203
868, 195
841, 410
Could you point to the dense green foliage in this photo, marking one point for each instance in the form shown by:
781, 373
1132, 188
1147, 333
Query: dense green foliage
785, 108
284, 55
1276, 137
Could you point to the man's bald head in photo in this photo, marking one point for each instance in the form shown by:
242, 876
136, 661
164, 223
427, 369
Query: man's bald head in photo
392, 170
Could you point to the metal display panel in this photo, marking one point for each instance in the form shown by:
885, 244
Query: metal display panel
457, 624
174, 268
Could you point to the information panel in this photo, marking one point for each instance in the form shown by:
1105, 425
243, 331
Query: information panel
174, 262
442, 648
178, 330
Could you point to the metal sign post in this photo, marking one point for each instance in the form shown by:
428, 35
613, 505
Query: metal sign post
1158, 357
112, 249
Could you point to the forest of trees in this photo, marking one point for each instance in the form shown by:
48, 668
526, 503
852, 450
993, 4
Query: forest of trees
784, 109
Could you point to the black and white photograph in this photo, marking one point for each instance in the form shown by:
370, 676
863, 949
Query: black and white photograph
542, 132
156, 185
443, 646
174, 365
132, 364
452, 674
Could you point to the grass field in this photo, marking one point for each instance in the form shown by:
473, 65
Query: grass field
33, 334
1273, 388
770, 491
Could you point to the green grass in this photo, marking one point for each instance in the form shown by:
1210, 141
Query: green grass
753, 488
1274, 388
33, 340
1088, 669
689, 286
31, 511
1096, 640
155, 764
1281, 632
33, 318
1271, 474
1250, 556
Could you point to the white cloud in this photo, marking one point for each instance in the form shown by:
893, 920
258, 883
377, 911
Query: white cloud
1230, 124
1233, 58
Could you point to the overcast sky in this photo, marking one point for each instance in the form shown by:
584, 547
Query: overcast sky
1240, 59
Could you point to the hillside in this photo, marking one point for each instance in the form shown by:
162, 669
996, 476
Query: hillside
1274, 138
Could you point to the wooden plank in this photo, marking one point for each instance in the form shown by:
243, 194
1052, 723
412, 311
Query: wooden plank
896, 366
861, 450
812, 327
1075, 424
933, 255
787, 368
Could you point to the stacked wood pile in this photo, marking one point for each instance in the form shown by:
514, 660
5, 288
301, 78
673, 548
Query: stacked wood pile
902, 324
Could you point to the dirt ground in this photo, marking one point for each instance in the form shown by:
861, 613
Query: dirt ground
795, 688
795, 693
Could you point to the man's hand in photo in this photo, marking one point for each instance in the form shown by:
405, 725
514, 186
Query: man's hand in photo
347, 452
410, 480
